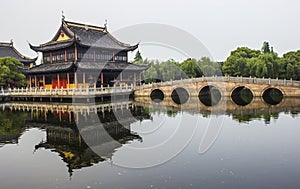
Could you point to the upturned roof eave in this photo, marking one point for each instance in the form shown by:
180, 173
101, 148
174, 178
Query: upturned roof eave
52, 46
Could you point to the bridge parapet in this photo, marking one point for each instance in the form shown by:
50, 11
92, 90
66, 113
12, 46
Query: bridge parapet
226, 85
246, 80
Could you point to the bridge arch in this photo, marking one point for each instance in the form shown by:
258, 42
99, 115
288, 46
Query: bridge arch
157, 95
209, 95
242, 95
180, 95
272, 95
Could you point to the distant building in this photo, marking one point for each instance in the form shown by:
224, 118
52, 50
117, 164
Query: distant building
81, 55
8, 50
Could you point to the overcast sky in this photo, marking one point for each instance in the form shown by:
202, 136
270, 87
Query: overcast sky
221, 25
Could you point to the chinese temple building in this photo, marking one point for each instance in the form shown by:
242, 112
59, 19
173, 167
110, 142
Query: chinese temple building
81, 55
8, 50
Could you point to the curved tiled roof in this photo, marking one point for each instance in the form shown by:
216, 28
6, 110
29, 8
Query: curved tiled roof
49, 68
84, 35
52, 46
8, 50
98, 66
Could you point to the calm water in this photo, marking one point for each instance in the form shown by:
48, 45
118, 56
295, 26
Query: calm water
144, 145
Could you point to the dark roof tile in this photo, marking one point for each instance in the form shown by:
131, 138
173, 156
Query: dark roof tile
8, 50
97, 66
117, 66
85, 35
49, 68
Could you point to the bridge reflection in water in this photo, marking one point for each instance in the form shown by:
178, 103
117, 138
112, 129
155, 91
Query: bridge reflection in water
256, 108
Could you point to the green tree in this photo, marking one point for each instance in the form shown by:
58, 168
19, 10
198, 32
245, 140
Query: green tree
266, 48
191, 68
10, 75
150, 75
138, 59
209, 68
237, 64
292, 64
171, 70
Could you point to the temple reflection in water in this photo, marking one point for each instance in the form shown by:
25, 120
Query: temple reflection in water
72, 131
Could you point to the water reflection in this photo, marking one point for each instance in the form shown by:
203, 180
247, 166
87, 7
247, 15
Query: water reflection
12, 125
256, 109
85, 134
72, 130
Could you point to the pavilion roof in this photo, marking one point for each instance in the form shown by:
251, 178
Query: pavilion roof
83, 35
8, 50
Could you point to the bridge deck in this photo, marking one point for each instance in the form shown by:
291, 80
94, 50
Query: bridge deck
225, 85
125, 90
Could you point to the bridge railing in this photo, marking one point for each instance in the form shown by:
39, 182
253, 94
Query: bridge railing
246, 80
68, 91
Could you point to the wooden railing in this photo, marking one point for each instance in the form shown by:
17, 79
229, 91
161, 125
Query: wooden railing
68, 92
82, 108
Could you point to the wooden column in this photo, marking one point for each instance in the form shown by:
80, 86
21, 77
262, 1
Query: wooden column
35, 81
68, 80
45, 114
66, 56
83, 79
75, 51
101, 78
75, 79
59, 114
58, 82
44, 82
30, 81
77, 117
70, 117
121, 76
50, 57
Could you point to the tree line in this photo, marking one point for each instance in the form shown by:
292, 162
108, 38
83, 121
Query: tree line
243, 62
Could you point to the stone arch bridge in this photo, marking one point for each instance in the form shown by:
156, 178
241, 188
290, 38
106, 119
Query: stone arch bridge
227, 86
